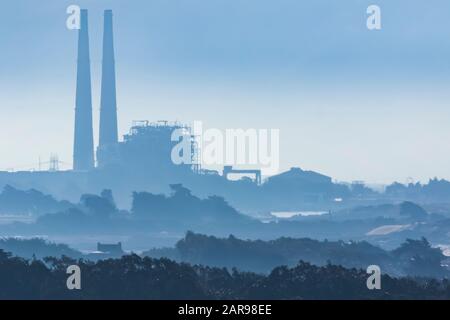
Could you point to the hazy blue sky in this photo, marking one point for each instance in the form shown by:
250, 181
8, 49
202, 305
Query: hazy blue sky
350, 103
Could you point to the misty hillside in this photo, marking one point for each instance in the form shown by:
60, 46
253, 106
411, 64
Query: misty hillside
29, 202
413, 258
37, 248
164, 219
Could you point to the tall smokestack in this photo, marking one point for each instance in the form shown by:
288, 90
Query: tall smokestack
108, 104
83, 153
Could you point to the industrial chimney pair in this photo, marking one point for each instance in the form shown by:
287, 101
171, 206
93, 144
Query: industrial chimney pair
83, 155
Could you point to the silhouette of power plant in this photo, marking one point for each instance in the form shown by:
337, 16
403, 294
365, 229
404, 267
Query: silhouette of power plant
143, 135
140, 161
148, 145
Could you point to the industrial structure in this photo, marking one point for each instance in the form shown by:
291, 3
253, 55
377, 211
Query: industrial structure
227, 170
110, 248
148, 146
142, 160
108, 104
83, 152
83, 155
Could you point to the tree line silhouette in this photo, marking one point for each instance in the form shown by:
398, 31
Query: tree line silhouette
135, 277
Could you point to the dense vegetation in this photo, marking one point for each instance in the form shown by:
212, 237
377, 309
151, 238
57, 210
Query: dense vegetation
37, 248
133, 277
32, 202
413, 258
